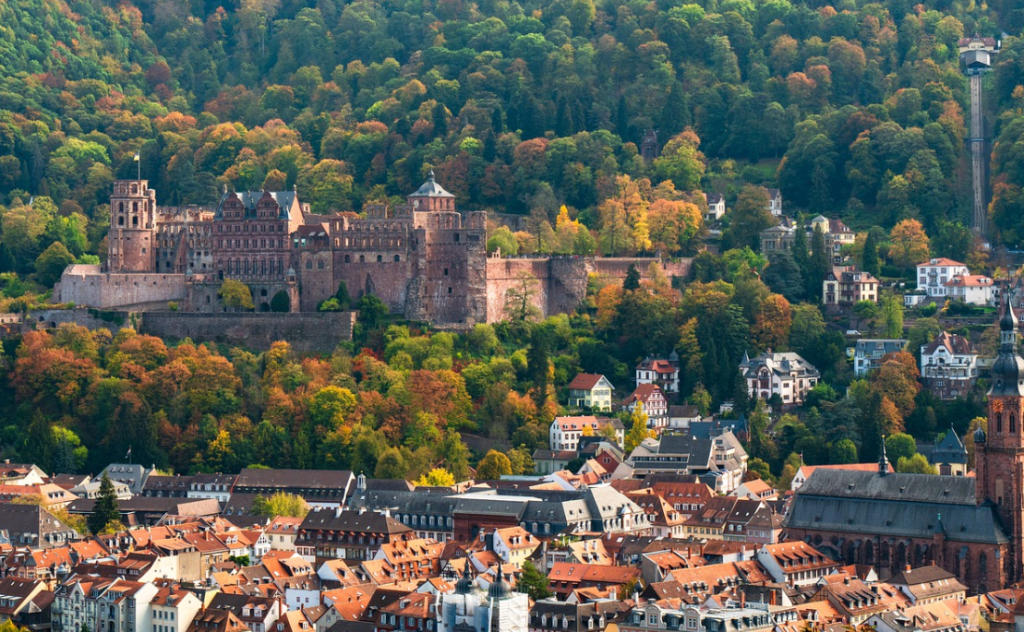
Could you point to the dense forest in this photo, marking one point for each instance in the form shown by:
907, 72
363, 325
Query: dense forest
852, 108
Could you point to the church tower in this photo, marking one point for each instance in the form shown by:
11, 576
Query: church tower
131, 241
999, 453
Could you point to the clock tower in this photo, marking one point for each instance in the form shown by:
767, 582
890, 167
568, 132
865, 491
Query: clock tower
999, 452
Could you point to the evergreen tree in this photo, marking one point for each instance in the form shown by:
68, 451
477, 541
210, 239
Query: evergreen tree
819, 264
632, 280
533, 582
538, 365
869, 258
106, 510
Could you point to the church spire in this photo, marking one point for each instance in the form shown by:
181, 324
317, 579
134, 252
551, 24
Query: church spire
883, 460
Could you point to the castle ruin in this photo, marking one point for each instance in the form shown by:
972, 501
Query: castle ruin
425, 259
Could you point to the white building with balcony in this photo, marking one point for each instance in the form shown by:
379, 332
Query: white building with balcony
934, 274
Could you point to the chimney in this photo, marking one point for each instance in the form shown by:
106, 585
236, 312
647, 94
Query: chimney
743, 599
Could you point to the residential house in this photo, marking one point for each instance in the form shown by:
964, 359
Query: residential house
933, 275
795, 563
869, 352
667, 615
928, 584
132, 475
716, 207
846, 286
786, 374
217, 486
349, 535
680, 417
719, 461
777, 238
973, 289
101, 603
551, 615
26, 603
949, 456
949, 366
856, 601
211, 620
663, 373
565, 432
34, 526
654, 404
160, 486
765, 526
22, 474
258, 613
589, 391
173, 608
550, 461
91, 489
941, 616
514, 545
411, 559
836, 235
774, 202
282, 532
564, 577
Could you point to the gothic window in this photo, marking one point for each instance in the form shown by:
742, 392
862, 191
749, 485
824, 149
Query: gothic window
999, 422
1013, 423
320, 265
397, 258
135, 220
120, 221
309, 264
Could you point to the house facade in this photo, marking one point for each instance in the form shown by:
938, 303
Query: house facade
844, 287
784, 374
868, 353
663, 373
593, 392
949, 366
934, 274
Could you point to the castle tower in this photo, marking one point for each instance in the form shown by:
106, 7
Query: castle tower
131, 240
649, 148
999, 453
431, 197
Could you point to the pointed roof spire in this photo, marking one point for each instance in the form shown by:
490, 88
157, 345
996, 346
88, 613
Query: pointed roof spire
883, 460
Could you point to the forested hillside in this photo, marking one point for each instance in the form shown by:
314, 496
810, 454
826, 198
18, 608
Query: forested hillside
517, 107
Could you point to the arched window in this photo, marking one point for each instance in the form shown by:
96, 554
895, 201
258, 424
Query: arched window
309, 264
1013, 423
320, 265
999, 422
135, 220
120, 221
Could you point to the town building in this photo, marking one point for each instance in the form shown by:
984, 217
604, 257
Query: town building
949, 366
662, 373
319, 488
719, 462
949, 455
565, 432
216, 486
868, 353
327, 534
593, 392
784, 374
776, 239
654, 404
934, 274
836, 234
795, 563
804, 472
500, 609
716, 207
774, 202
846, 286
973, 289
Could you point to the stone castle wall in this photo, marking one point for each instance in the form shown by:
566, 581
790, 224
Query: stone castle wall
86, 285
306, 332
561, 282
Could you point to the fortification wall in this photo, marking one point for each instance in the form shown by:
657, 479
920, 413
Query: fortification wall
306, 332
386, 279
505, 274
616, 268
85, 285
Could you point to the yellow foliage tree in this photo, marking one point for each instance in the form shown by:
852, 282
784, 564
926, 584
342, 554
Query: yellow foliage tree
437, 477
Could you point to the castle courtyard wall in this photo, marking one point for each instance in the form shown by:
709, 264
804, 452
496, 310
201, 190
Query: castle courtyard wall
86, 285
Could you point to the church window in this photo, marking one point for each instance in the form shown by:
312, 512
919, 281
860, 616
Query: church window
999, 422
320, 265
397, 258
380, 258
309, 265
1013, 423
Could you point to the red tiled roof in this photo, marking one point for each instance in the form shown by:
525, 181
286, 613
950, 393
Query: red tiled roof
584, 382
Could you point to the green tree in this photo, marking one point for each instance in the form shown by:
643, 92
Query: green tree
900, 446
280, 302
533, 582
843, 451
280, 504
916, 464
391, 465
869, 256
502, 239
371, 310
105, 511
891, 308
493, 466
236, 295
749, 216
51, 263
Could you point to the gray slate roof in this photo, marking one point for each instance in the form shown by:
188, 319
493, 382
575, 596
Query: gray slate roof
895, 505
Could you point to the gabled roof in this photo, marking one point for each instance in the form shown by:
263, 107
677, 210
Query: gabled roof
969, 280
953, 343
940, 261
585, 381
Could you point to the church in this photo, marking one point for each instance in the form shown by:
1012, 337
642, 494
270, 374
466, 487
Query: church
972, 527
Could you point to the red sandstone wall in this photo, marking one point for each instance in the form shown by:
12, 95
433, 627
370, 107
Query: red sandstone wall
501, 275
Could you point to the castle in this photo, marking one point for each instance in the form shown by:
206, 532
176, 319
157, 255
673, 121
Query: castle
425, 259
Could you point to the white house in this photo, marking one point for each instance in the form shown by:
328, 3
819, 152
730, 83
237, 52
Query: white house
172, 609
774, 201
784, 374
216, 486
933, 275
565, 432
654, 403
664, 373
973, 289
949, 366
716, 207
514, 545
795, 563
282, 531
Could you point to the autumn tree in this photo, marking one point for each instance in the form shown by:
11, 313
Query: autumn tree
909, 243
280, 504
896, 379
437, 477
638, 430
916, 464
520, 298
771, 329
493, 466
236, 295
